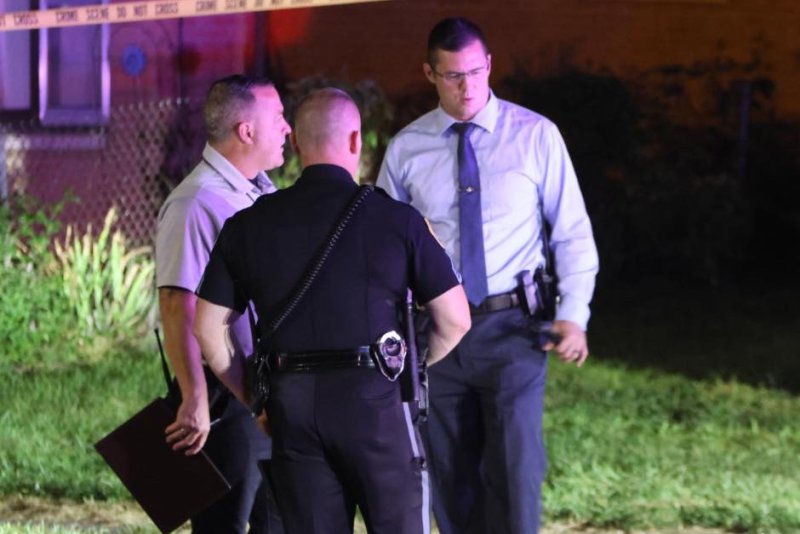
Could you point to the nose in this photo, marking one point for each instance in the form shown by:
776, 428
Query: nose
467, 86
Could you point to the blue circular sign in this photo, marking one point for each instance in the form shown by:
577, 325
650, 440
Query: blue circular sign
133, 60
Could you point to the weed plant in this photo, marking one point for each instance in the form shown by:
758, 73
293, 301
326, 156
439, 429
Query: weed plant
66, 301
108, 285
34, 317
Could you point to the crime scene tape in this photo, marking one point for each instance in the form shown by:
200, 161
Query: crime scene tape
149, 10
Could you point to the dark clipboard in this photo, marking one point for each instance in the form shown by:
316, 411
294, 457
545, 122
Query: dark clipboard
170, 486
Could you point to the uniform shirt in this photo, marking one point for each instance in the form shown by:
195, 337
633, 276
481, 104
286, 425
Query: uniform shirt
522, 161
263, 251
191, 218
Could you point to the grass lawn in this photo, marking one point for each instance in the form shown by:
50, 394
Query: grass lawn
635, 443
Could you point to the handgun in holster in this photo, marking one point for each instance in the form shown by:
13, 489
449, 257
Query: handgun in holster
257, 377
526, 291
538, 294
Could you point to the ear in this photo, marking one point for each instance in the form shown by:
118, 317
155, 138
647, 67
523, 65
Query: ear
429, 74
244, 130
488, 64
293, 141
355, 142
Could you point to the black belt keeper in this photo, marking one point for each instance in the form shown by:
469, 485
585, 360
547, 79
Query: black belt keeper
495, 303
323, 360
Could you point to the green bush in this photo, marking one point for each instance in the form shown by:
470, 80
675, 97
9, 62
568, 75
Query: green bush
35, 317
95, 282
109, 286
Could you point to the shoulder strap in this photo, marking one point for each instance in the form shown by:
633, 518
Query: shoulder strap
315, 266
164, 366
173, 390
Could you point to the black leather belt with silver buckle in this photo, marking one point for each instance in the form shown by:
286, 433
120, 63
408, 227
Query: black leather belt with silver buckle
495, 303
321, 360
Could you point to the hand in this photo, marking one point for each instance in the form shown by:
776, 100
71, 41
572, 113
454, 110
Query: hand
573, 346
190, 429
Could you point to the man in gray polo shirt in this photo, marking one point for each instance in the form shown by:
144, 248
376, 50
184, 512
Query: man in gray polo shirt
246, 132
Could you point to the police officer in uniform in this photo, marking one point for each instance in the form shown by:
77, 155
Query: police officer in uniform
341, 435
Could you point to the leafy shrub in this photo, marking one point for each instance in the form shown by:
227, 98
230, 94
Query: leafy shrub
35, 317
109, 287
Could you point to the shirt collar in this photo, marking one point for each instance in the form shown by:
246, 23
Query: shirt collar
235, 179
486, 118
324, 171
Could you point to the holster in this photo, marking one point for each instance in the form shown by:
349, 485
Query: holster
546, 294
538, 294
256, 378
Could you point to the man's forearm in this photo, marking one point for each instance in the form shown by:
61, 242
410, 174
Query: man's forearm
177, 308
224, 364
211, 329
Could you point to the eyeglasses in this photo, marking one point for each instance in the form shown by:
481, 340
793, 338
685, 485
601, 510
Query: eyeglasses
456, 78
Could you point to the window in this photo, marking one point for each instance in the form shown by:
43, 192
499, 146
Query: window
74, 75
17, 55
70, 84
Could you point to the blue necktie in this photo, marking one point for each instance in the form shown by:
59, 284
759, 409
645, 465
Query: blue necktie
473, 258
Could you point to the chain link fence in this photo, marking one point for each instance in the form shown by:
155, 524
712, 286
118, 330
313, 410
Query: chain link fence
131, 162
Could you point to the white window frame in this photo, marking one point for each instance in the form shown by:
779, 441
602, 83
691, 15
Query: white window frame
56, 114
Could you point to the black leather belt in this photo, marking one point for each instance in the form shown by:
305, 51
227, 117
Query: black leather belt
495, 303
321, 360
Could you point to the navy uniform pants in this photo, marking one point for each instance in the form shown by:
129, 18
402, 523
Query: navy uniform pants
236, 445
342, 438
484, 432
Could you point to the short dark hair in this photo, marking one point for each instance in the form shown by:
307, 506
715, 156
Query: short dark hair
226, 101
453, 34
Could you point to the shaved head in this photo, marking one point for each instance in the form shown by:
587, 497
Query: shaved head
325, 119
